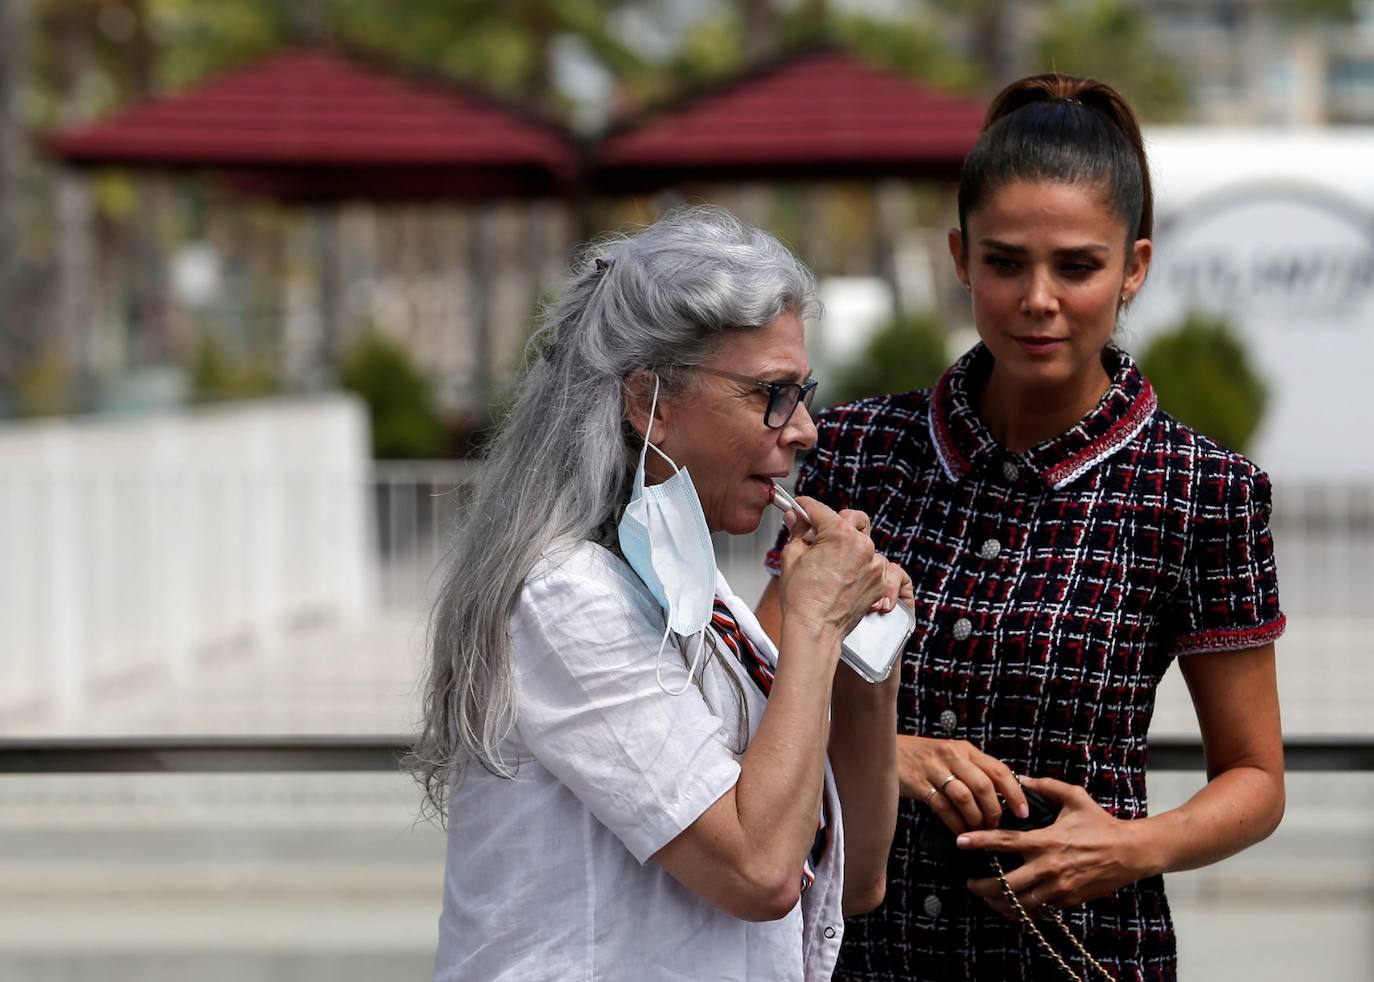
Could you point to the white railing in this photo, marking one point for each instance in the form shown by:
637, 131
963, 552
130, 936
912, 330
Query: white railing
1324, 538
137, 549
1323, 534
136, 546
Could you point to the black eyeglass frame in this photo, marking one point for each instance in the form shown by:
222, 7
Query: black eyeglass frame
798, 392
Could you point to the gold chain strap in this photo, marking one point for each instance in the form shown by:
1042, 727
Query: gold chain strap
1055, 916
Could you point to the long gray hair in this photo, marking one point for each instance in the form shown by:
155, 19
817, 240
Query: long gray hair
560, 465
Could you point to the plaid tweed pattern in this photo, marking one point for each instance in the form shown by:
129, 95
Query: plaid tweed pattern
1053, 589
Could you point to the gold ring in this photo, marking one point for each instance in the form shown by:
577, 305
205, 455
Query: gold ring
942, 784
931, 793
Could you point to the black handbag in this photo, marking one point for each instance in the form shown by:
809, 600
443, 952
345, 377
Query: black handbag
937, 842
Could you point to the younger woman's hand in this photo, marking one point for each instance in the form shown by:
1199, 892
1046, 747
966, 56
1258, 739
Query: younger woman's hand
1084, 855
957, 781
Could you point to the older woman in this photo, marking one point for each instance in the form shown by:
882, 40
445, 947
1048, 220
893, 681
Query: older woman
654, 795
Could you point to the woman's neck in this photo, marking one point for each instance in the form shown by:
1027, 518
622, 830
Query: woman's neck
1020, 416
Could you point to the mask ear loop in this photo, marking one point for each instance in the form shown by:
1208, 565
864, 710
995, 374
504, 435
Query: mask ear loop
691, 669
667, 628
648, 429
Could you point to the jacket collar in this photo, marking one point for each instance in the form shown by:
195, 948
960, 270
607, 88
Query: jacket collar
965, 446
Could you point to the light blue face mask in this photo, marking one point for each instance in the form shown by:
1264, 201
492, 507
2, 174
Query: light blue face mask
664, 537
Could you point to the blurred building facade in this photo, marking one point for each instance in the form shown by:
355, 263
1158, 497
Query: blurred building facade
1260, 62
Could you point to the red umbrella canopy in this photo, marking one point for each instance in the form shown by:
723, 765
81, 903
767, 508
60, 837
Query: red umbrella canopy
312, 124
818, 115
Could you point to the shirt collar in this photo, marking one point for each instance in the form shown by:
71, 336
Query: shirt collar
965, 446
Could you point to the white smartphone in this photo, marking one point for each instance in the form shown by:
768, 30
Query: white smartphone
872, 648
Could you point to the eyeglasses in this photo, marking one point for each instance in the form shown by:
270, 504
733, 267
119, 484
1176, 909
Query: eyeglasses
783, 397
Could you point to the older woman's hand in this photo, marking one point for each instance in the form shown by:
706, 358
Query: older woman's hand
833, 578
897, 588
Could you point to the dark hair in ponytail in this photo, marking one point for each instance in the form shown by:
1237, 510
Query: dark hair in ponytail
1067, 130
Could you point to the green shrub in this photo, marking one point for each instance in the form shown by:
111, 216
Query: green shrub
1204, 378
45, 387
215, 375
400, 399
909, 353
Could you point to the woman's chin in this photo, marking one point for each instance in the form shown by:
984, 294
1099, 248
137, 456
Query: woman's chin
744, 521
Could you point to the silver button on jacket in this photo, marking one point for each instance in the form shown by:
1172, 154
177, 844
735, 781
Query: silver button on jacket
963, 628
991, 549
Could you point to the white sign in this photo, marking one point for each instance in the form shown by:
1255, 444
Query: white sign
1272, 253
1290, 266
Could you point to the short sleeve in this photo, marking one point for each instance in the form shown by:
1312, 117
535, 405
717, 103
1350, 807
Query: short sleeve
1229, 596
590, 710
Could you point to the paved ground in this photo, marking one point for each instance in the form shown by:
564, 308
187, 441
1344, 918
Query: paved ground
259, 878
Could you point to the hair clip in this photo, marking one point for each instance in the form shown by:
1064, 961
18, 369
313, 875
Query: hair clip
602, 265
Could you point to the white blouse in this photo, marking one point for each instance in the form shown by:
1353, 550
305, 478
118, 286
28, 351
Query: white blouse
547, 875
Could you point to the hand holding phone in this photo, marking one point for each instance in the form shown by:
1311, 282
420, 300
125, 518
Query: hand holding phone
876, 643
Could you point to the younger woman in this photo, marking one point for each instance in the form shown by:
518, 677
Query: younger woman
1067, 541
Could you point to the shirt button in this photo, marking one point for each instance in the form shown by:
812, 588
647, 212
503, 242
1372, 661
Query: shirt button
948, 721
932, 905
990, 549
963, 627
829, 932
1010, 471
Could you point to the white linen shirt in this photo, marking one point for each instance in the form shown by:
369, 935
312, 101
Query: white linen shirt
547, 875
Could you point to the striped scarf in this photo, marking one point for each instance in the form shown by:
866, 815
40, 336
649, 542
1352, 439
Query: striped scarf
757, 667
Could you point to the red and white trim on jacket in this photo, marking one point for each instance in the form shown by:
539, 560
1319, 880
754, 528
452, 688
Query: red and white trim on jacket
1230, 639
1122, 432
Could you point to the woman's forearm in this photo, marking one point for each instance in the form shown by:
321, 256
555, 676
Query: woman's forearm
1236, 697
1238, 807
782, 772
863, 755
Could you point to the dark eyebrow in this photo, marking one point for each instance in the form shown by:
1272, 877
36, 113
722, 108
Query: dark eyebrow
1091, 248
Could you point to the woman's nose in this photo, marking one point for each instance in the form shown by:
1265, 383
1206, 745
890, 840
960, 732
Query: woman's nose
1040, 299
800, 431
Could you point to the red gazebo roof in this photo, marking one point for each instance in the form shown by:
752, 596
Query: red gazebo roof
819, 114
313, 124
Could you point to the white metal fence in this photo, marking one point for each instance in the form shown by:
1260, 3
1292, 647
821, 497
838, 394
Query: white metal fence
136, 549
1324, 539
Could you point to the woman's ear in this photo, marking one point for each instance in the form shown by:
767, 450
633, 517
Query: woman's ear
1137, 266
960, 257
639, 396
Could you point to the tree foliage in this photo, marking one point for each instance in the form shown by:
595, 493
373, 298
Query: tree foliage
1111, 40
215, 374
400, 399
909, 353
913, 47
1204, 378
1330, 10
